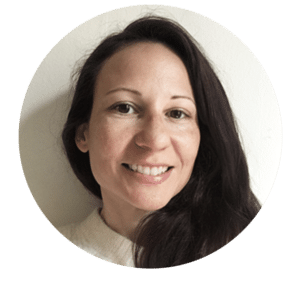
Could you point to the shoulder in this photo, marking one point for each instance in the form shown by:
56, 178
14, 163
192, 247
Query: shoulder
96, 238
82, 233
68, 230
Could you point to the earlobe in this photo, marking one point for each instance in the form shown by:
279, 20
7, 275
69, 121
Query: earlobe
81, 138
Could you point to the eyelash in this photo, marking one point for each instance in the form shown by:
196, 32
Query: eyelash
116, 107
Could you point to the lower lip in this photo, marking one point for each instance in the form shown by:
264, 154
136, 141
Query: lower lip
148, 179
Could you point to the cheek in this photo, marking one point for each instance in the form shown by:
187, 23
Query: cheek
188, 146
107, 144
108, 140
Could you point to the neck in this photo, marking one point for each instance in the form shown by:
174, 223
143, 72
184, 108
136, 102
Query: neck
122, 219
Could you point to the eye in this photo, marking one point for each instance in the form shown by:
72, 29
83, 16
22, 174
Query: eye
124, 108
177, 114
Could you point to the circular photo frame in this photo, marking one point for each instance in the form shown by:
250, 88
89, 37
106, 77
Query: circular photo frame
61, 195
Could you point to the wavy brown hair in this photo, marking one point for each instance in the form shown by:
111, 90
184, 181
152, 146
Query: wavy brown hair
217, 202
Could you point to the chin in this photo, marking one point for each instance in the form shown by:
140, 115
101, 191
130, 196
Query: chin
150, 204
153, 207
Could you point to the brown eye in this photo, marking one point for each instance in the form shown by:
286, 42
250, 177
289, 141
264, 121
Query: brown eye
125, 108
177, 114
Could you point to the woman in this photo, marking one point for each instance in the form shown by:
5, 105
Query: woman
151, 132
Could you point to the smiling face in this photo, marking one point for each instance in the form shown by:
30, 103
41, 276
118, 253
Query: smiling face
143, 136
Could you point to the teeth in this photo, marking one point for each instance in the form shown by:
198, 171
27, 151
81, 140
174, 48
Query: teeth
134, 167
139, 169
155, 171
160, 170
146, 171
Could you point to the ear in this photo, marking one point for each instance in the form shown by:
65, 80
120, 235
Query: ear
81, 138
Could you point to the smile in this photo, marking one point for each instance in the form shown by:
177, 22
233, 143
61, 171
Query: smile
145, 170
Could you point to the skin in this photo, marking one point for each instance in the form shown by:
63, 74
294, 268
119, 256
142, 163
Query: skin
157, 126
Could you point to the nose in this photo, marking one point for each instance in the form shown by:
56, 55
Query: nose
153, 134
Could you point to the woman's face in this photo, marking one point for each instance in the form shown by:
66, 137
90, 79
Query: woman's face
143, 136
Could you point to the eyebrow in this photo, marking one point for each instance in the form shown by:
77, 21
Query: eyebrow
124, 89
139, 94
182, 97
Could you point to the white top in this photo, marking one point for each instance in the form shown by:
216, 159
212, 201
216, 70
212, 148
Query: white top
96, 238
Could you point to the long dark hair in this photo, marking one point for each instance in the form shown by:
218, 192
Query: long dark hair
217, 202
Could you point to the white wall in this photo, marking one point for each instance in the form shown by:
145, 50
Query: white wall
52, 183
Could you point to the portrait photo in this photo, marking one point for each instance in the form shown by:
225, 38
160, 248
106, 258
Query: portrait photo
150, 137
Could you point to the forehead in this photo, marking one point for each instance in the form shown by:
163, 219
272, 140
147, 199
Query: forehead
141, 52
142, 62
